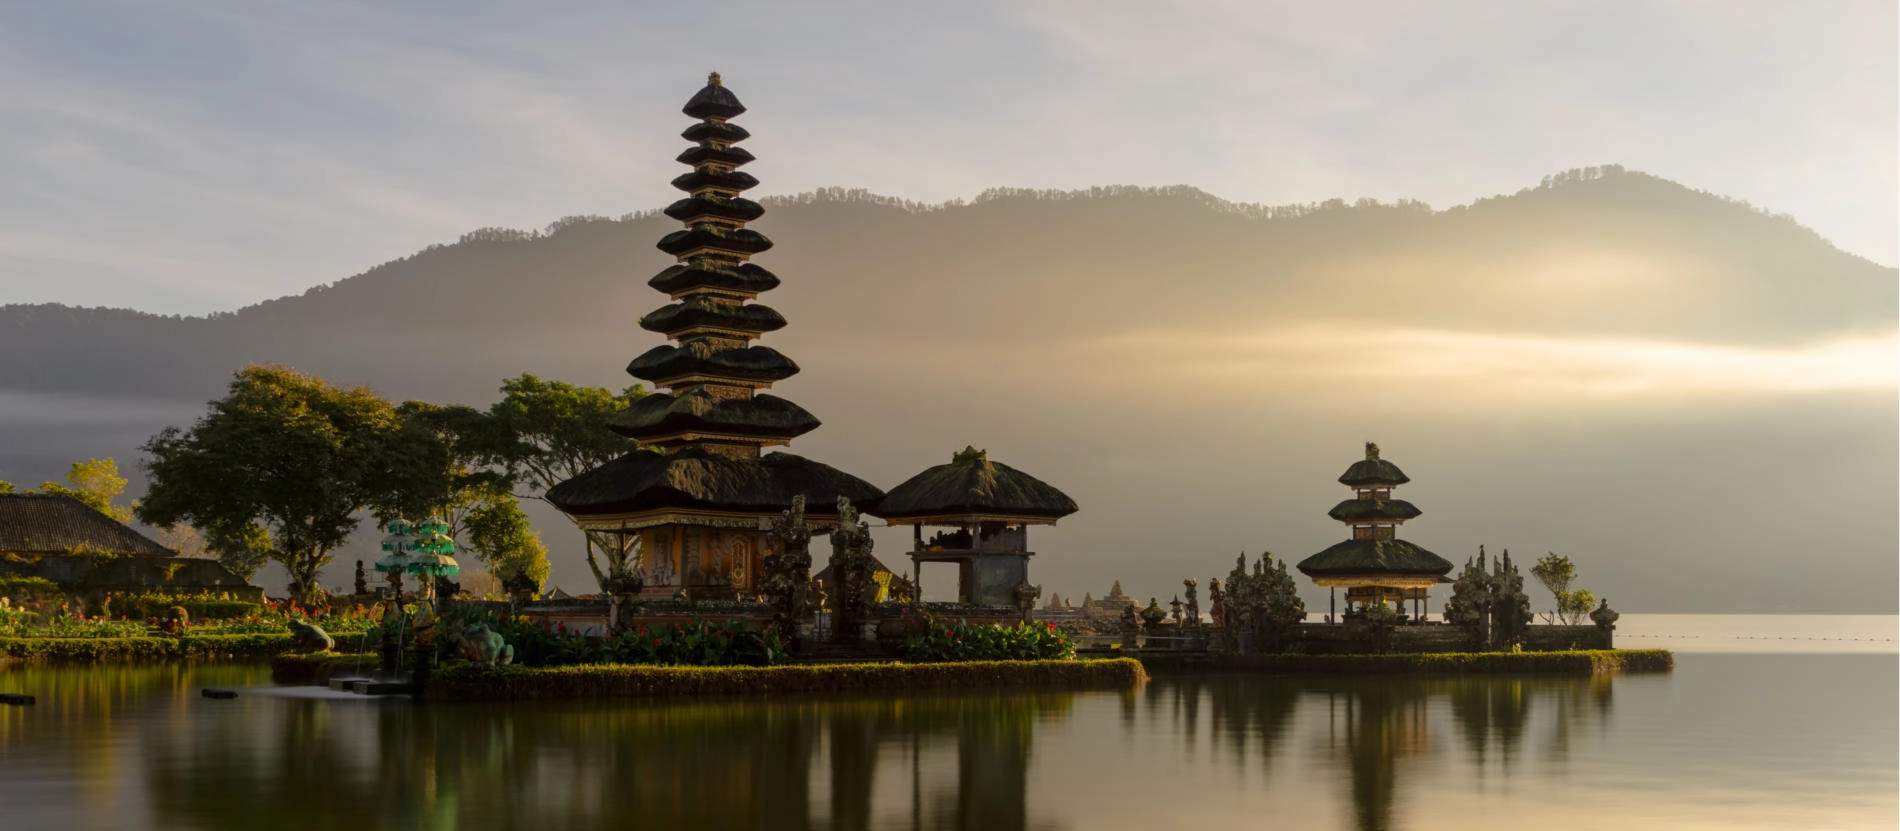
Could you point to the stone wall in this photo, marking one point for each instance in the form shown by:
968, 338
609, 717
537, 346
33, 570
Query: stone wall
1553, 638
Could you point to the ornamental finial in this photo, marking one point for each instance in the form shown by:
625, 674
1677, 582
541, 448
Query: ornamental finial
969, 454
1372, 452
713, 80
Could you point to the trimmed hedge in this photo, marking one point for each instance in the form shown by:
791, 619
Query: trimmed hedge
1575, 662
199, 607
87, 649
187, 646
469, 683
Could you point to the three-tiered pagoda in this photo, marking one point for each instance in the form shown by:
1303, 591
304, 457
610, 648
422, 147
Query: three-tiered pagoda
1375, 566
699, 508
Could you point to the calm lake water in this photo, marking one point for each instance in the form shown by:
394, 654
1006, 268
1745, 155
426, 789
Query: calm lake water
1767, 722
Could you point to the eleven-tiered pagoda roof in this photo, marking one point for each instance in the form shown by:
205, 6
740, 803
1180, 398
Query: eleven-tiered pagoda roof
710, 422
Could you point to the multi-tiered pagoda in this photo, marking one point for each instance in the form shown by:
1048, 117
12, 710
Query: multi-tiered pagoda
1375, 566
699, 507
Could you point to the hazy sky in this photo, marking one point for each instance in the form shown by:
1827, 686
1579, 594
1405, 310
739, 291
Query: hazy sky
197, 156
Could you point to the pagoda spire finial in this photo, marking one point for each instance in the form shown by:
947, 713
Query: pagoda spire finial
713, 80
1372, 452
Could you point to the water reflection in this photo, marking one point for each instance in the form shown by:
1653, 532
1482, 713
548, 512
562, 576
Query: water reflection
1377, 728
294, 763
134, 747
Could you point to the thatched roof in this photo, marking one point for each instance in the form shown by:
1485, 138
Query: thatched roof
715, 237
1360, 510
762, 416
1369, 558
972, 485
701, 274
753, 363
713, 101
698, 206
707, 178
42, 524
694, 478
704, 153
715, 131
1373, 471
695, 313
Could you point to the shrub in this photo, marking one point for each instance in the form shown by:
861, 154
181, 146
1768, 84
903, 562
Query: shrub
620, 680
694, 643
988, 642
25, 584
198, 606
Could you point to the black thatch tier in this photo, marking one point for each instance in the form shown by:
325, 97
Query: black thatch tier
1371, 558
1373, 471
695, 479
713, 101
694, 208
754, 363
1362, 510
715, 131
701, 178
702, 154
972, 485
695, 314
745, 278
699, 237
695, 410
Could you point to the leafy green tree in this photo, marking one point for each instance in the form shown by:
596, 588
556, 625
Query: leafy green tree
1557, 573
500, 536
449, 464
547, 432
95, 482
279, 468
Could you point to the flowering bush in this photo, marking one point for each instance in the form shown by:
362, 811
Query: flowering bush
989, 642
12, 619
69, 625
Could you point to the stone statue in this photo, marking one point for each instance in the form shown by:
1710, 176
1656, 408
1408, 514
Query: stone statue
1216, 603
1153, 616
1193, 602
786, 581
1026, 595
484, 647
1604, 616
852, 573
309, 637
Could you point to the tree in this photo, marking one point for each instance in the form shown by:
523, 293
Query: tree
187, 542
500, 536
1557, 573
95, 482
547, 432
278, 470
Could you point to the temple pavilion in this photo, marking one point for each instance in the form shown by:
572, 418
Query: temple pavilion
985, 509
1375, 566
699, 507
